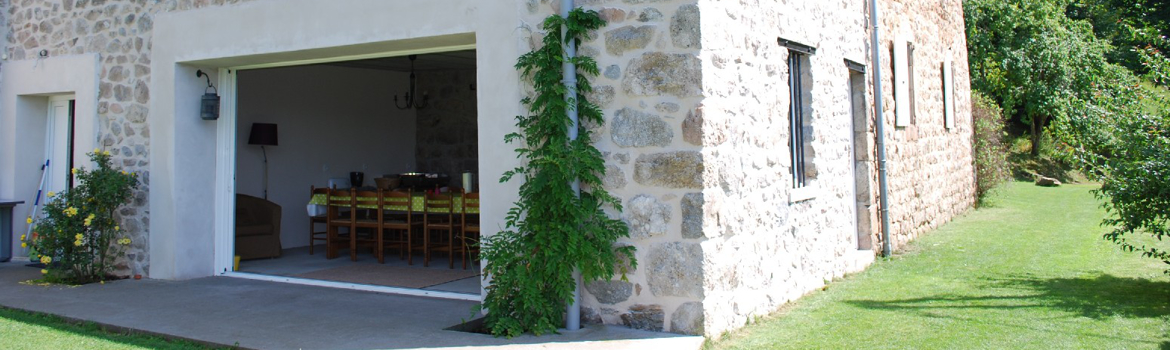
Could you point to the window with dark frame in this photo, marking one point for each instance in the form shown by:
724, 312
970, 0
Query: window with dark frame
799, 122
948, 84
796, 118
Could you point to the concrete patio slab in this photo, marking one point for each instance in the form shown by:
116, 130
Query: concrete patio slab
269, 315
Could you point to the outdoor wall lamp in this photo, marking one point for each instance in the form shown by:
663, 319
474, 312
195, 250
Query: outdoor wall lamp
413, 92
209, 106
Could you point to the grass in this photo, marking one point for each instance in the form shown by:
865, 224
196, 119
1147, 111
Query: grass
24, 330
1029, 271
1157, 99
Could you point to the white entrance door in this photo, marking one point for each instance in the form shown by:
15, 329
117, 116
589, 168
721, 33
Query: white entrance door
60, 144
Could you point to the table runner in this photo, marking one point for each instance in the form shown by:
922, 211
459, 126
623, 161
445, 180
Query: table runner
417, 203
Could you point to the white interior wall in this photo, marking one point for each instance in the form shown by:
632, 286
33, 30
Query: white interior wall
330, 121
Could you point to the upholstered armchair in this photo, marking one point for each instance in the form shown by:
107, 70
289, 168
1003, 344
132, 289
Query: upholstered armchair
257, 228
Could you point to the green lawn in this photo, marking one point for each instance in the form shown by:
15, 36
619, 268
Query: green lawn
23, 330
1028, 271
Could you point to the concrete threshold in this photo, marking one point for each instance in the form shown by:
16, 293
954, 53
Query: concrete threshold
270, 315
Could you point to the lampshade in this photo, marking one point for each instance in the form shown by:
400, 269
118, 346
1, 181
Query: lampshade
263, 134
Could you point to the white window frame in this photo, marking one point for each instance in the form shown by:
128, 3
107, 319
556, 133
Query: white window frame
903, 106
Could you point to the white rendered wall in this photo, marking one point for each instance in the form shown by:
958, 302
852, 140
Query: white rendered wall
266, 32
25, 86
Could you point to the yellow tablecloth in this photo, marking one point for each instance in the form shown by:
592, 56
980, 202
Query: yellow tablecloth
417, 203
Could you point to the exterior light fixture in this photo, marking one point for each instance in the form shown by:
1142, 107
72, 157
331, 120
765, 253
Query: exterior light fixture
209, 106
413, 92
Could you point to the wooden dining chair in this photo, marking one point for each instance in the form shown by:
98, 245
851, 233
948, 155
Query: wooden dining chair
318, 219
439, 217
367, 228
339, 214
398, 219
469, 232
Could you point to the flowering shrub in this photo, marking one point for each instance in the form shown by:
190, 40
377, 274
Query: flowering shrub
78, 237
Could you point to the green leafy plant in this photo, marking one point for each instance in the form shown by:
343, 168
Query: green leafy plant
991, 165
1128, 150
551, 230
78, 237
1033, 60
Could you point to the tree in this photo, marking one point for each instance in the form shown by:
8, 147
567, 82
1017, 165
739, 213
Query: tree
1128, 150
1131, 25
1032, 59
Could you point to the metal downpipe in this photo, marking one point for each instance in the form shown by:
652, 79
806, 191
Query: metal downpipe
883, 198
573, 312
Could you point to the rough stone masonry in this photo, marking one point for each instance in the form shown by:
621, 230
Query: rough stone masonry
696, 138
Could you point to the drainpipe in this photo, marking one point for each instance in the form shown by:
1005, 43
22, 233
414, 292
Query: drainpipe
573, 313
883, 199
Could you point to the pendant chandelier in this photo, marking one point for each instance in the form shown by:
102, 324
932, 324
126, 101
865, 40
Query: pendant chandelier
413, 92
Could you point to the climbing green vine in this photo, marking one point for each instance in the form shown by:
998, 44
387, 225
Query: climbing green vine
550, 230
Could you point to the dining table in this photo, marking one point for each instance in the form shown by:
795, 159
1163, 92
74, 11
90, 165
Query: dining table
417, 203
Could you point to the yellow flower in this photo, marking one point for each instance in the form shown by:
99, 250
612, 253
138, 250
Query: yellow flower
52, 194
125, 173
106, 153
43, 271
23, 245
77, 243
97, 150
46, 259
22, 237
116, 228
70, 211
88, 220
29, 220
78, 236
74, 171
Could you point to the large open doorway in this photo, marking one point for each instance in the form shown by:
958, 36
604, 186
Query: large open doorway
304, 127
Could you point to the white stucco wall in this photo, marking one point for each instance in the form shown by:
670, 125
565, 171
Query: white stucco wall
261, 32
25, 87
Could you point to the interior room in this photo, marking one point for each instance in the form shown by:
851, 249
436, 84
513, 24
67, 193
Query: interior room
388, 129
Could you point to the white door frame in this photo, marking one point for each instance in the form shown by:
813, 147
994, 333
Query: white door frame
225, 181
58, 131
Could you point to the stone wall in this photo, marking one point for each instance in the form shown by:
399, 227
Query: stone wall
649, 90
119, 31
761, 250
930, 168
696, 138
447, 135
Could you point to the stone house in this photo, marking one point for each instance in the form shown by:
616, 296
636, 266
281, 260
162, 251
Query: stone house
737, 202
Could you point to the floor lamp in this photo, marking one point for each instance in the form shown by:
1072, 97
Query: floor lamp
263, 134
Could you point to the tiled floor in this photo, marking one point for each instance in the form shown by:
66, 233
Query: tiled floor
296, 261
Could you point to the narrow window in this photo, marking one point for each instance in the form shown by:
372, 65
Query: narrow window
903, 82
948, 94
796, 118
800, 119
